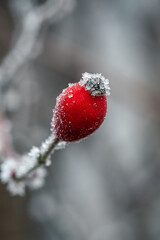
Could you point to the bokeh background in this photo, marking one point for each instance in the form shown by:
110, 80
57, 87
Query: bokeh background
106, 187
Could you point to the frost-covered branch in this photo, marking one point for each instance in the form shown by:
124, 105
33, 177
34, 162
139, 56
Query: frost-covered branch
19, 171
32, 23
29, 170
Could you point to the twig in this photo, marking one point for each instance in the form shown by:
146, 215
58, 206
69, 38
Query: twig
26, 170
45, 152
23, 50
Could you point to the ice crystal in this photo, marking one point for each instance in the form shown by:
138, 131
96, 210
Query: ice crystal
61, 145
28, 162
37, 178
70, 84
70, 95
95, 83
11, 168
8, 168
48, 161
47, 143
16, 188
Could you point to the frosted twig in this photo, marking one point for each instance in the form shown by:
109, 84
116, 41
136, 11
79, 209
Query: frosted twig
29, 170
33, 19
37, 157
24, 48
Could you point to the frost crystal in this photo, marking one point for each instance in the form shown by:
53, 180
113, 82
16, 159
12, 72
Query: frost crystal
16, 188
95, 83
37, 178
8, 168
47, 143
61, 145
70, 95
48, 162
28, 162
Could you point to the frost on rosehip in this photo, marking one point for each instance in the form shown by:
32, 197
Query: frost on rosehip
81, 108
96, 84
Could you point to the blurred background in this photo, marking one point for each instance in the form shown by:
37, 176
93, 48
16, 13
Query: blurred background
106, 187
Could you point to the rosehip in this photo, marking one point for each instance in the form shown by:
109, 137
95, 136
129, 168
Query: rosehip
81, 108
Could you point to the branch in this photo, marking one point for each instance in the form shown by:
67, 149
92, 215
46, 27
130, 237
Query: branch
29, 169
23, 50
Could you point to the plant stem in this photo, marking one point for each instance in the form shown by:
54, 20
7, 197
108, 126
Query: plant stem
44, 156
41, 160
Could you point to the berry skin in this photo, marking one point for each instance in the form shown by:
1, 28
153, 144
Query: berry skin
80, 109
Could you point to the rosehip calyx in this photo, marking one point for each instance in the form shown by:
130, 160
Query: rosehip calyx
81, 108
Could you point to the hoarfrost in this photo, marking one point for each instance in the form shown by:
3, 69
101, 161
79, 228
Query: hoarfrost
8, 167
16, 188
61, 145
37, 178
20, 173
47, 143
70, 95
28, 162
70, 84
95, 83
48, 162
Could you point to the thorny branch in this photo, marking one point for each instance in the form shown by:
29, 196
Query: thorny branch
27, 170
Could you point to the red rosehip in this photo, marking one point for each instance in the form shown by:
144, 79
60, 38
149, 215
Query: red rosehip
81, 108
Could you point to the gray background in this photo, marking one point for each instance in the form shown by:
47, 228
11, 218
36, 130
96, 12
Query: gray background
106, 187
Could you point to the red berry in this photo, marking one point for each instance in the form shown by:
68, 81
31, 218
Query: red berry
81, 108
